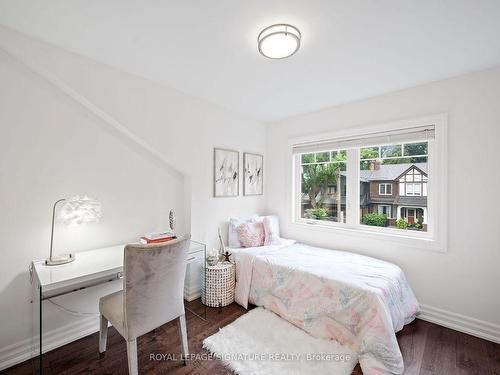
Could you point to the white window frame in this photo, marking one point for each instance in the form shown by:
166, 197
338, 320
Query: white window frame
435, 237
385, 190
408, 191
413, 190
389, 210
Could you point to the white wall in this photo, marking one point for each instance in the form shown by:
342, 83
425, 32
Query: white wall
51, 146
465, 279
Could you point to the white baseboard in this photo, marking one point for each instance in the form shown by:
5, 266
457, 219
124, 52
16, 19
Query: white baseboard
23, 350
461, 323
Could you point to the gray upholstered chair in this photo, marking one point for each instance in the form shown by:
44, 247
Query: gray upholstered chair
152, 295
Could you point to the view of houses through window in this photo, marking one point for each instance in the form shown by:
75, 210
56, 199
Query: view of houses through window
392, 185
323, 186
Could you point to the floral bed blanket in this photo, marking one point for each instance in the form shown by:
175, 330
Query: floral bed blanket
357, 300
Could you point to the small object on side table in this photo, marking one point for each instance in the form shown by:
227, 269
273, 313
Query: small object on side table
226, 256
224, 253
220, 285
213, 257
212, 260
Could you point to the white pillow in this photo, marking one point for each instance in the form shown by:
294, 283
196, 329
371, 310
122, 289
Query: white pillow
271, 230
232, 235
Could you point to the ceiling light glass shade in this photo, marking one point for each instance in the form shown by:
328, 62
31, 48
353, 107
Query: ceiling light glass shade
79, 210
279, 41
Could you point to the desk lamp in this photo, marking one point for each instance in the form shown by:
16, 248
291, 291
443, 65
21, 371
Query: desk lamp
75, 211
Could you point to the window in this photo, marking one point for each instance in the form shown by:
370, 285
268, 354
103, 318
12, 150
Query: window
323, 186
384, 209
377, 181
385, 189
402, 163
413, 189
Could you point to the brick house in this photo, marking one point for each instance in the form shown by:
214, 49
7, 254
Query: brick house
395, 190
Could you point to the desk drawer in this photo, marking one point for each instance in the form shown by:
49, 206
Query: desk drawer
194, 275
195, 256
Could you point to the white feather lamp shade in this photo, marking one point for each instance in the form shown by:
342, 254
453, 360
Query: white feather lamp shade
78, 210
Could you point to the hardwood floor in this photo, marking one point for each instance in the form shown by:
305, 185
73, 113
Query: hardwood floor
427, 349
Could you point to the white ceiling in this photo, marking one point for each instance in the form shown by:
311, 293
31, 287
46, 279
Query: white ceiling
351, 49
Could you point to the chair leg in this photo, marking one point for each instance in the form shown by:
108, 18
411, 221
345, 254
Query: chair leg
181, 324
103, 336
132, 357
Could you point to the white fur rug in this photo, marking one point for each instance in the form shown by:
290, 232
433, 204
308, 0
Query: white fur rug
260, 342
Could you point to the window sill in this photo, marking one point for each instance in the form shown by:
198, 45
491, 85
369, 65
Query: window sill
416, 240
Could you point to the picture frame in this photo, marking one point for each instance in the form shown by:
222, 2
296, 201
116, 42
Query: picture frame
226, 173
253, 174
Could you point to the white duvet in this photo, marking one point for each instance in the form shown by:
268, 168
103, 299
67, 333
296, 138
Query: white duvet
356, 300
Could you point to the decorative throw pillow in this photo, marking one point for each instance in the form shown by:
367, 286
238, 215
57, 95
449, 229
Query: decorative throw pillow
251, 234
271, 230
232, 235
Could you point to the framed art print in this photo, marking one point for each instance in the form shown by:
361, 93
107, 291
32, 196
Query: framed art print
253, 167
226, 172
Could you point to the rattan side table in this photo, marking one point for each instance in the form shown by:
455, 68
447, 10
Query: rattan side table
219, 285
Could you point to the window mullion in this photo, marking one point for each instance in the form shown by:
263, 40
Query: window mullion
297, 188
352, 193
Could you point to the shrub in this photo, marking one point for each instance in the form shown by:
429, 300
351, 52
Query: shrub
401, 224
319, 213
377, 220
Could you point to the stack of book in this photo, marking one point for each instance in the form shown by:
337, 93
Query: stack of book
160, 237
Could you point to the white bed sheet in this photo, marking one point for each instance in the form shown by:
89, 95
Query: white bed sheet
357, 300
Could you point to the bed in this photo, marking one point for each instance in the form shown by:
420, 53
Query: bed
357, 300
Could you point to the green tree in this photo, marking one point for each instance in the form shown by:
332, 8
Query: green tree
367, 153
315, 181
415, 148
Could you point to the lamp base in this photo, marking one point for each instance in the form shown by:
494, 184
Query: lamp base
57, 260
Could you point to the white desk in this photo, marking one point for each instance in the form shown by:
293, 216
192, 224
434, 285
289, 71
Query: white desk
90, 268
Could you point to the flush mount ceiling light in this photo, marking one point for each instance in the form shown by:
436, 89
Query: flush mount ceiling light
279, 41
